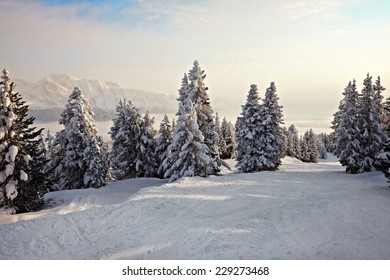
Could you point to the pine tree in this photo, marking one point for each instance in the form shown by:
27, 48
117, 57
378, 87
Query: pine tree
146, 162
21, 165
97, 170
305, 157
77, 162
271, 139
204, 113
349, 132
50, 145
371, 125
222, 143
283, 148
125, 134
228, 133
380, 105
322, 153
339, 143
293, 145
163, 141
311, 144
384, 157
386, 114
188, 155
248, 133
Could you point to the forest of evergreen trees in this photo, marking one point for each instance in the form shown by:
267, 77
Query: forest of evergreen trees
195, 143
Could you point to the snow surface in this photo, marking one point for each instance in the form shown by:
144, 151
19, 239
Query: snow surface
303, 211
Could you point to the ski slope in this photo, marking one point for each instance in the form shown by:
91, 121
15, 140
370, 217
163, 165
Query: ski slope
303, 211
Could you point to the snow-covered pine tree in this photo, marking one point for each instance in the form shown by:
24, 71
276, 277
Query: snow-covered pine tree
349, 132
339, 143
271, 138
326, 139
240, 136
222, 143
322, 153
184, 91
107, 173
311, 145
147, 162
304, 149
183, 95
386, 111
98, 170
50, 145
31, 192
173, 125
198, 93
125, 134
163, 141
77, 162
371, 126
248, 133
188, 155
20, 189
228, 135
380, 105
384, 156
283, 149
293, 145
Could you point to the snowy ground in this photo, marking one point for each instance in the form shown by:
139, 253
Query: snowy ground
303, 211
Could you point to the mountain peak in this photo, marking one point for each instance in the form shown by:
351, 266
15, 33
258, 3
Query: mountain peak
51, 93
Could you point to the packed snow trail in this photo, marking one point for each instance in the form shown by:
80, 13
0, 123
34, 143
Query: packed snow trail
303, 211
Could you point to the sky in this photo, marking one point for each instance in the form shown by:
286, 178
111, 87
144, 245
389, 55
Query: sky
309, 48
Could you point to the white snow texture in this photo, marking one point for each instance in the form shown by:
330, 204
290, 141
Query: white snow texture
302, 211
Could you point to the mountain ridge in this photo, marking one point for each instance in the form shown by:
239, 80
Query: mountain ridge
48, 96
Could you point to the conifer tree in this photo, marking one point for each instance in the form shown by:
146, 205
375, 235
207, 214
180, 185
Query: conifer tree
384, 156
50, 145
311, 144
338, 143
349, 132
163, 141
125, 134
222, 143
228, 135
248, 133
283, 148
380, 106
322, 153
21, 184
77, 162
371, 125
31, 192
271, 140
204, 113
188, 155
146, 162
293, 145
305, 157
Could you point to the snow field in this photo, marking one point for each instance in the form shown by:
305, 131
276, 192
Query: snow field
303, 211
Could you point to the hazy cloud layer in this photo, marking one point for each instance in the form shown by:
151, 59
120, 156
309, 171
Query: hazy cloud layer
311, 49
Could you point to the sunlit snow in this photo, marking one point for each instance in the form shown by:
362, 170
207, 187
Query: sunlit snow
302, 211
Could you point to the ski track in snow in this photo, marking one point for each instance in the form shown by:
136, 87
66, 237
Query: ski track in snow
302, 211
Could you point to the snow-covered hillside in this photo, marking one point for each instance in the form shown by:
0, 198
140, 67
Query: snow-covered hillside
48, 96
303, 211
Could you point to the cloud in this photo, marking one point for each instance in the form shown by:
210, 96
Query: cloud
309, 48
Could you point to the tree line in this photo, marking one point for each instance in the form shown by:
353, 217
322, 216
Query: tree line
195, 143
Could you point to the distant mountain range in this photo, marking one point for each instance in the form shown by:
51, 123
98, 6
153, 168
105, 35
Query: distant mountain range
47, 97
